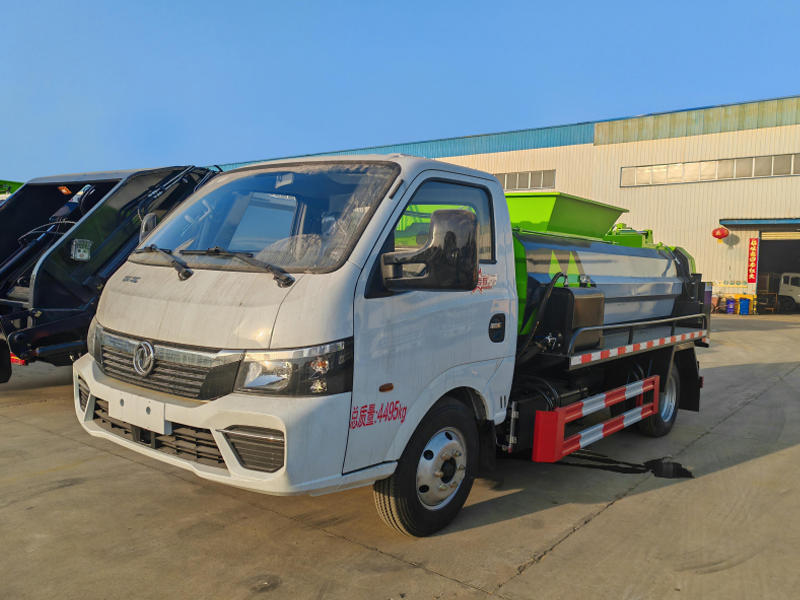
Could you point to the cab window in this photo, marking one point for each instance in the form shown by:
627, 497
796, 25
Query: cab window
796, 281
786, 279
411, 231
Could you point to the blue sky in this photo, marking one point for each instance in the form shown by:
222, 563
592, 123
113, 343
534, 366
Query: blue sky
91, 86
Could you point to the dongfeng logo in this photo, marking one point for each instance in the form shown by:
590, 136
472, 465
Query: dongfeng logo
143, 358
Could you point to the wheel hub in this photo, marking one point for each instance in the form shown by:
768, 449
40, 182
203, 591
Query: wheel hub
441, 468
669, 400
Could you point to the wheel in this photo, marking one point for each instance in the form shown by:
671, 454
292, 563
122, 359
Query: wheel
435, 473
787, 304
661, 423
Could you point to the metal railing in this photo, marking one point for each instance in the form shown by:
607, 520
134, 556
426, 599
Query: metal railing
673, 321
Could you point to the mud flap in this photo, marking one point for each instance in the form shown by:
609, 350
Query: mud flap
5, 361
691, 382
487, 445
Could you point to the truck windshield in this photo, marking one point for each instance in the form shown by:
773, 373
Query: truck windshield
299, 218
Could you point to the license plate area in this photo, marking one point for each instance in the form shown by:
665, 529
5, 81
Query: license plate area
140, 412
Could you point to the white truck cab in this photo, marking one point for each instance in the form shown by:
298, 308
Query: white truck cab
314, 325
789, 291
312, 380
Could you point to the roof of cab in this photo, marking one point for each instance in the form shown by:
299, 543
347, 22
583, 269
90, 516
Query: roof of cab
411, 165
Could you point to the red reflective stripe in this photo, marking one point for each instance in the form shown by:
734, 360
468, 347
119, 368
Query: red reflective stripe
573, 412
612, 352
649, 409
571, 444
616, 396
613, 425
549, 444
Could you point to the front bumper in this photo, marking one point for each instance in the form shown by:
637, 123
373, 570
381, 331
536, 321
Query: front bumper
315, 432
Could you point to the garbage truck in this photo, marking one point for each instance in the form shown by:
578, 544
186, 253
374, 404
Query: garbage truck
315, 325
61, 239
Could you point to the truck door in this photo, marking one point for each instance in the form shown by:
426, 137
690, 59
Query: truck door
790, 285
412, 347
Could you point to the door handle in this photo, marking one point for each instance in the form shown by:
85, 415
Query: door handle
497, 328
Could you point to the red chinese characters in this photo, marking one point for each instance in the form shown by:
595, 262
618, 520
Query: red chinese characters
485, 282
367, 415
752, 261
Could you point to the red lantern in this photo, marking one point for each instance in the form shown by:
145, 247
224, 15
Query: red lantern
720, 233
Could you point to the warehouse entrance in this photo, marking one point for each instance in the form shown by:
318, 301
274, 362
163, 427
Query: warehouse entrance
779, 253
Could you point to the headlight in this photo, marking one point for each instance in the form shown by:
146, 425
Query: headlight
93, 340
313, 371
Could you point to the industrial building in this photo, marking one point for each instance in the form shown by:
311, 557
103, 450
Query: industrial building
682, 174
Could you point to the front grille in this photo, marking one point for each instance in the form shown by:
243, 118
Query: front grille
257, 448
197, 373
169, 377
83, 392
189, 443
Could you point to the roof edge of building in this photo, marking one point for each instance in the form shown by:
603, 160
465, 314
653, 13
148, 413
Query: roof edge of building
543, 137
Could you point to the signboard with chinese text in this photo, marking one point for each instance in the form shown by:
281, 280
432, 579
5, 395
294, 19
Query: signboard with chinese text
752, 260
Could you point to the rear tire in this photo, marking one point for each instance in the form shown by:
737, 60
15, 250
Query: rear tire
660, 424
787, 304
434, 475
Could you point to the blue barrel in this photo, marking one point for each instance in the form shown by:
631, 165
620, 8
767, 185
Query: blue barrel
744, 306
730, 306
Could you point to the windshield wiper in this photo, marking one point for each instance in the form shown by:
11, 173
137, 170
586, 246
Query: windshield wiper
184, 272
281, 276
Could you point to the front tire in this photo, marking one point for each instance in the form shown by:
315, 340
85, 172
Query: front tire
660, 424
434, 475
787, 304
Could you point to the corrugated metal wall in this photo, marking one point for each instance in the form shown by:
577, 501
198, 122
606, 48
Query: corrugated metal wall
705, 121
573, 165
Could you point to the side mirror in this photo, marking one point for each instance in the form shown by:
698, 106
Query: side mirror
449, 257
149, 223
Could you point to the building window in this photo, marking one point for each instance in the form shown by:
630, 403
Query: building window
725, 169
763, 167
709, 170
691, 172
528, 180
782, 165
744, 167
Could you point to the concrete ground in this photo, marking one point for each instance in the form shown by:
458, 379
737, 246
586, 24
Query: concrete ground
84, 518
